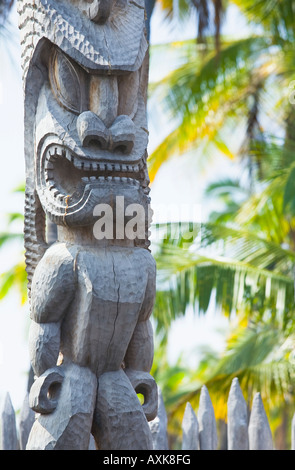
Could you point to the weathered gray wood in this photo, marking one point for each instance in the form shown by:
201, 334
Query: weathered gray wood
117, 406
207, 423
237, 419
91, 445
260, 437
8, 432
190, 429
26, 421
68, 426
158, 426
145, 385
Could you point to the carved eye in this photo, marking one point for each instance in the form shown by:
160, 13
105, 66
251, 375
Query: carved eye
65, 82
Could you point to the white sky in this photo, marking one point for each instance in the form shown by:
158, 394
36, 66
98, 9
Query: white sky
176, 182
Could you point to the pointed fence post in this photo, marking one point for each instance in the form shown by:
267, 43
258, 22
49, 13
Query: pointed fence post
237, 419
207, 423
158, 426
260, 437
8, 433
91, 445
27, 418
190, 429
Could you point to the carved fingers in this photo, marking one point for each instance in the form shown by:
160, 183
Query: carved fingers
45, 390
143, 383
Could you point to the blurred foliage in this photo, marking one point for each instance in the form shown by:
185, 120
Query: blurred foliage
243, 256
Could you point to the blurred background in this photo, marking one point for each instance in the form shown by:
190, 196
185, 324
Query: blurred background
222, 168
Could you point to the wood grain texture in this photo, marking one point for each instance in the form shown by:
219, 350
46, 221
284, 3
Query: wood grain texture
68, 427
190, 429
207, 423
158, 426
117, 410
260, 437
8, 432
237, 412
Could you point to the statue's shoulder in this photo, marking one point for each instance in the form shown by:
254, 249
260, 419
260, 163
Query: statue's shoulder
53, 283
60, 253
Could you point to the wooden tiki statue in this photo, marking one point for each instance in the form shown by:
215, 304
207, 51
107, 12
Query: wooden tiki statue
85, 71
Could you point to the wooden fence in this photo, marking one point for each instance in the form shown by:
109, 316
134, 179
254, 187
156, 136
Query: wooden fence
199, 431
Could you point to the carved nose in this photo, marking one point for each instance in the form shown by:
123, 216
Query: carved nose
100, 10
120, 137
91, 130
122, 134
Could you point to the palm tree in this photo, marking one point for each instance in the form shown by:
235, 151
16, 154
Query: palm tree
209, 93
245, 259
248, 270
13, 238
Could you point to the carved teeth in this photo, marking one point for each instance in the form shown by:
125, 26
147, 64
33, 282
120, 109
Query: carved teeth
98, 171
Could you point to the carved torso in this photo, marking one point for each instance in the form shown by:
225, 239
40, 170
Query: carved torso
99, 295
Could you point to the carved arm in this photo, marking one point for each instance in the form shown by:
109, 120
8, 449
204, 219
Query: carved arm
53, 288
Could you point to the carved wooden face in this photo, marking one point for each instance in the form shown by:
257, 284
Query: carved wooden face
91, 138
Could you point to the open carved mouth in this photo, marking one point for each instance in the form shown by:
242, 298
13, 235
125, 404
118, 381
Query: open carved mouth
66, 174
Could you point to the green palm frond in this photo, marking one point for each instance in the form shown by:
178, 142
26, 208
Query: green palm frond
6, 237
276, 16
209, 15
14, 278
236, 267
265, 213
190, 87
260, 356
200, 97
182, 11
